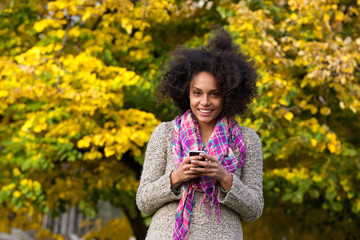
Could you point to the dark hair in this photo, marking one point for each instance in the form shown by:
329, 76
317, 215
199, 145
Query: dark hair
235, 75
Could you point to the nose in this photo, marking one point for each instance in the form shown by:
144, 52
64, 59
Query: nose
205, 100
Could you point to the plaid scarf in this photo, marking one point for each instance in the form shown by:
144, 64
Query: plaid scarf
225, 140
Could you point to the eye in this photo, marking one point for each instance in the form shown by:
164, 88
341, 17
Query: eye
196, 93
215, 94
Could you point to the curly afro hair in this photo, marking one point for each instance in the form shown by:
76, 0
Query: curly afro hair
234, 73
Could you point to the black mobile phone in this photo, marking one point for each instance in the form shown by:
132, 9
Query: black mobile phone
196, 153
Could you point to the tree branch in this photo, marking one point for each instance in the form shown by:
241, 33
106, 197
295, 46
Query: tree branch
68, 25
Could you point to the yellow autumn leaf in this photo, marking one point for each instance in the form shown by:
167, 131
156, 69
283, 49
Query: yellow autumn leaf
84, 143
89, 156
40, 127
339, 16
331, 137
28, 124
36, 185
109, 151
98, 140
283, 102
92, 155
16, 194
331, 147
29, 183
313, 109
109, 139
41, 25
23, 182
313, 142
60, 33
120, 150
325, 111
317, 178
3, 93
56, 5
16, 172
136, 151
322, 130
10, 186
303, 104
289, 116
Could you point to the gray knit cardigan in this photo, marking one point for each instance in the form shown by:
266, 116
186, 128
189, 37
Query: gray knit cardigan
244, 200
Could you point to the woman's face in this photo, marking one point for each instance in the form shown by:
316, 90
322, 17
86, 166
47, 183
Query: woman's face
206, 101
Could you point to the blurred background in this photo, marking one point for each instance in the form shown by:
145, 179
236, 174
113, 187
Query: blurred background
78, 104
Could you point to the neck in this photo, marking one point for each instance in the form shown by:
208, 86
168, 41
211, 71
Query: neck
206, 130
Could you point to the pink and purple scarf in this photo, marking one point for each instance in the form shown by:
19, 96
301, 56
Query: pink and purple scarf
225, 140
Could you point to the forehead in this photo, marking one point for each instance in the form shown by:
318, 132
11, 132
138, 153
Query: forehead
204, 80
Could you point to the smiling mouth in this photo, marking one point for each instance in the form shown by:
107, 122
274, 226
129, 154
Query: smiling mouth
205, 110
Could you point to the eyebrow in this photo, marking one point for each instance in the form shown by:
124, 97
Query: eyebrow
212, 90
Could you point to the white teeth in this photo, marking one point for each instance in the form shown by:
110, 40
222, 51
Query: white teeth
204, 111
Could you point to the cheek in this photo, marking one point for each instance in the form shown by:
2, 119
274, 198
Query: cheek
193, 100
219, 103
192, 103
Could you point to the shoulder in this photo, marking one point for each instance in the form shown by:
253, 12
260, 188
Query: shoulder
164, 130
164, 127
161, 138
248, 132
250, 136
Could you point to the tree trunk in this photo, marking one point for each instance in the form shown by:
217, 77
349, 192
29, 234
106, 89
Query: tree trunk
136, 222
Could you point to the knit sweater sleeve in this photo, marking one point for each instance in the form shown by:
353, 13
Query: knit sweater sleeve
154, 189
246, 193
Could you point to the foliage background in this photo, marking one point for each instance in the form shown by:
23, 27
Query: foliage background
78, 104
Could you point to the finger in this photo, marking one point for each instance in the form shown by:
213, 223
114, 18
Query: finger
186, 159
212, 164
187, 167
203, 171
209, 174
191, 173
209, 157
200, 163
195, 157
207, 164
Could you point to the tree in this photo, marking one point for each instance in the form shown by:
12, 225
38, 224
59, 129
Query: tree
307, 53
66, 137
77, 80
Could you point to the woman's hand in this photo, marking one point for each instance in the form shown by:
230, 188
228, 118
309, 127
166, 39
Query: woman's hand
212, 168
184, 172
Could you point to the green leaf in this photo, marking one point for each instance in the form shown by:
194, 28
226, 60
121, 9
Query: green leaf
287, 196
314, 193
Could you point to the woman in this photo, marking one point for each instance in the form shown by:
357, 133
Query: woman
194, 199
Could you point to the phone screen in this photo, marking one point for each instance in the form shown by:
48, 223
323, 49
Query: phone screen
196, 153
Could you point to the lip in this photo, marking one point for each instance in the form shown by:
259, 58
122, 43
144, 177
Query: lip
205, 113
